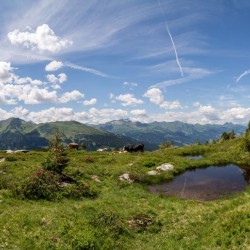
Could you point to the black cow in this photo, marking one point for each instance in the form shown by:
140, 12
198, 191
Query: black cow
134, 148
74, 146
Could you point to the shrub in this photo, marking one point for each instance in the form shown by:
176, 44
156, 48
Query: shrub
246, 143
78, 190
57, 159
10, 158
150, 162
167, 144
88, 159
41, 185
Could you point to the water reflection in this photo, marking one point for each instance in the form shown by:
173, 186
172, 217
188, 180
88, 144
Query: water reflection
195, 157
206, 184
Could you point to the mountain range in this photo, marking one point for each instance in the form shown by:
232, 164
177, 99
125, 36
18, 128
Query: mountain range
178, 133
19, 134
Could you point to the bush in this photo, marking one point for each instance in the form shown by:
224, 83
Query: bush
88, 159
150, 162
167, 144
10, 158
78, 190
246, 143
41, 185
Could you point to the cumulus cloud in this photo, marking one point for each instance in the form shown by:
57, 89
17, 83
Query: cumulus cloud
155, 96
170, 105
43, 39
29, 91
90, 102
54, 66
27, 80
128, 100
52, 114
93, 115
57, 79
138, 112
71, 96
5, 72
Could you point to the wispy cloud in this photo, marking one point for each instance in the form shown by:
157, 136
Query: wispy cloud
192, 74
242, 75
82, 68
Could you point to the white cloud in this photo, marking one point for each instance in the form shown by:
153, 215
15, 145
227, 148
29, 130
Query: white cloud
128, 100
27, 80
34, 95
155, 96
5, 72
57, 79
138, 112
192, 74
71, 96
92, 101
53, 66
52, 78
170, 105
130, 84
52, 114
43, 39
62, 77
6, 100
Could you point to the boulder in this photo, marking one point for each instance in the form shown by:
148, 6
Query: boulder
125, 177
153, 172
165, 167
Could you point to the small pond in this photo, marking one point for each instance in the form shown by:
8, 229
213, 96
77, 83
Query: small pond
195, 157
209, 183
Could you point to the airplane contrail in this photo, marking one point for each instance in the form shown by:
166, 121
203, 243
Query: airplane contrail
172, 40
90, 70
243, 74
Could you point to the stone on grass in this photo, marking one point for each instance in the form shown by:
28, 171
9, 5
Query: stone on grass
95, 178
153, 172
165, 167
125, 177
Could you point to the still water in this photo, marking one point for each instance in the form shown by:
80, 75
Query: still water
209, 183
195, 157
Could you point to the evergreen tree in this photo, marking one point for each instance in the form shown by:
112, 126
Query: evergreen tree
57, 158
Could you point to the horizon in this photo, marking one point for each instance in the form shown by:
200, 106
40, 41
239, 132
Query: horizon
145, 61
90, 124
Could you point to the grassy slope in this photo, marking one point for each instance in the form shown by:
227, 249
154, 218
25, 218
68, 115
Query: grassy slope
105, 222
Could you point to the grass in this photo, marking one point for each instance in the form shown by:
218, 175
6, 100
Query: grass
123, 215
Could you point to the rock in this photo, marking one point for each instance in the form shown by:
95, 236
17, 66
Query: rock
165, 167
153, 172
95, 178
125, 177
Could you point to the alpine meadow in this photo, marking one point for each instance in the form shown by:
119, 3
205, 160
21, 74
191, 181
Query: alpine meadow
124, 125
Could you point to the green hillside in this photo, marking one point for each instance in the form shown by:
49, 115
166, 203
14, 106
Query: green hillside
178, 133
18, 134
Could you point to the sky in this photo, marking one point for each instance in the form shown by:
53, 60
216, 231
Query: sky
95, 61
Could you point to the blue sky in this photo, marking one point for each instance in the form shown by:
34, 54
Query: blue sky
96, 61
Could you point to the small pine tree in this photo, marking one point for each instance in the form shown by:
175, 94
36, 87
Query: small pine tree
57, 159
248, 128
232, 135
167, 144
